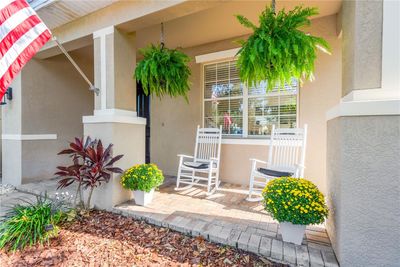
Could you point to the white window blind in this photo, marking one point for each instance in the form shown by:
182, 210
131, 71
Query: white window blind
243, 111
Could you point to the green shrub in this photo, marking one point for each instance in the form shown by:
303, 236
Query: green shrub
294, 200
26, 225
143, 177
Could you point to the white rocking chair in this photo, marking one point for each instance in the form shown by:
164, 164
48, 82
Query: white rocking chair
285, 158
202, 169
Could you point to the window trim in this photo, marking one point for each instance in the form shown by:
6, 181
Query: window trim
224, 55
244, 138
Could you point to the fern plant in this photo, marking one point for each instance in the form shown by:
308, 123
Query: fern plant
278, 50
163, 71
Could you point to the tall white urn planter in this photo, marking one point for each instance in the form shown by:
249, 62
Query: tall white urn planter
143, 198
292, 233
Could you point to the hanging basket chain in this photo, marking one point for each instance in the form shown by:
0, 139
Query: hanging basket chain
162, 35
163, 71
273, 6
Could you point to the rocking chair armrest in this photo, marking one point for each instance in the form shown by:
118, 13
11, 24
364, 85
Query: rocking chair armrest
258, 161
214, 159
301, 166
185, 156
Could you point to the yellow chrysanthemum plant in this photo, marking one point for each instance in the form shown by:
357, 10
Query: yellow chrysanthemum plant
294, 200
142, 177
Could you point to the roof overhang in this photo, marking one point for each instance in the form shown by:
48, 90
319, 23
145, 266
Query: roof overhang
56, 13
38, 4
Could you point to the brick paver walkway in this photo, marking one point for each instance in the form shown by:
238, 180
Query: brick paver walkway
226, 218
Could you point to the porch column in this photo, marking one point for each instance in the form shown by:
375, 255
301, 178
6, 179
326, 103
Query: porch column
11, 129
115, 120
363, 141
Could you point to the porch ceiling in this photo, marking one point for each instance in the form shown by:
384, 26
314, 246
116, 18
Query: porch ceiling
218, 22
188, 23
58, 12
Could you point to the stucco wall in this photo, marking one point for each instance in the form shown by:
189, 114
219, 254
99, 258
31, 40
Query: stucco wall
11, 124
317, 97
128, 141
11, 113
173, 121
364, 186
54, 99
362, 44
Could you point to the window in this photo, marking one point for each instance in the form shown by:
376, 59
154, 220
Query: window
242, 111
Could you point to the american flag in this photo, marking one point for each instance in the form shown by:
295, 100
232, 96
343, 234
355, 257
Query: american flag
22, 34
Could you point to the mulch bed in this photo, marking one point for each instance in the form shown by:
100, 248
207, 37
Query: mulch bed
107, 239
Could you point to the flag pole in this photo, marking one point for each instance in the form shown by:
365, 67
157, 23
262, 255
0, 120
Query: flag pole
91, 86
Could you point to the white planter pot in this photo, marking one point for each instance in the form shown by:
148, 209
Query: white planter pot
292, 233
143, 198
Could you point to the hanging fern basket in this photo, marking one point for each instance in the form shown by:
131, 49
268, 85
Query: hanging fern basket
163, 71
278, 50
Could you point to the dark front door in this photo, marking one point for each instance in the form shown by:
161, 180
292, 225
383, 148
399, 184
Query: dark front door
143, 109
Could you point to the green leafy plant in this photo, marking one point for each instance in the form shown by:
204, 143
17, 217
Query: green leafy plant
278, 50
294, 200
75, 173
143, 177
32, 223
92, 166
163, 71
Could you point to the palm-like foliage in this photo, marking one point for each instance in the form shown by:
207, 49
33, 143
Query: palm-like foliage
92, 166
75, 172
278, 50
163, 71
98, 167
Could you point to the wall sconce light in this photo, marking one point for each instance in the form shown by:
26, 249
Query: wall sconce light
7, 95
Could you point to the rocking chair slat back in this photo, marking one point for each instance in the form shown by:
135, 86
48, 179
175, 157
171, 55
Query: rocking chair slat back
287, 149
208, 143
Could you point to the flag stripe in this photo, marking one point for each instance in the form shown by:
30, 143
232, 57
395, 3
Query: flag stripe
22, 34
20, 46
4, 3
14, 21
17, 33
12, 8
22, 59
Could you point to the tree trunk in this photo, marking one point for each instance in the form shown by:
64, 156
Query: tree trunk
81, 201
78, 192
89, 198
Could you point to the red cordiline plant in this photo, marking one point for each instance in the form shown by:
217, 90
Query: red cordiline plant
75, 172
92, 166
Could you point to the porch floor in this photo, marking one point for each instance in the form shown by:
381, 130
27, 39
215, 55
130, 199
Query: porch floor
227, 218
224, 217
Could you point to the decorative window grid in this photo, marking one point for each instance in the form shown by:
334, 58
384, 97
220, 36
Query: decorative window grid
245, 111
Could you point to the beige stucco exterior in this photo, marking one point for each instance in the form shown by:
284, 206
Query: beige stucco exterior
114, 119
363, 143
49, 97
364, 222
173, 121
362, 21
128, 141
199, 27
351, 156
